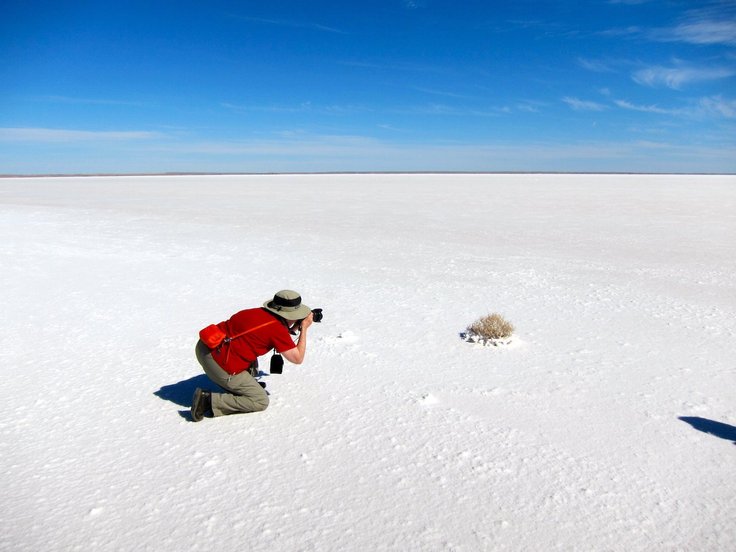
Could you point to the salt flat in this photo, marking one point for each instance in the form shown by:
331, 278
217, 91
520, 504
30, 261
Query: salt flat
394, 434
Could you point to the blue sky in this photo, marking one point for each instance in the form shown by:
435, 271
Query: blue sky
395, 85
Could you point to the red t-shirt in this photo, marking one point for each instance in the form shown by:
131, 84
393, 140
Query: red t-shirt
239, 354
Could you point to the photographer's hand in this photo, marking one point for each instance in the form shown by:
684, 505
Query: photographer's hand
306, 322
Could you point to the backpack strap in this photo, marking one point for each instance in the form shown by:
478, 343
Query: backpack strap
227, 340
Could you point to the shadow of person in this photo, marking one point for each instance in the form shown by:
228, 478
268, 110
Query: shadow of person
181, 393
718, 429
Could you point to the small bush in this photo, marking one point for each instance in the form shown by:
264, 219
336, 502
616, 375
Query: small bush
492, 326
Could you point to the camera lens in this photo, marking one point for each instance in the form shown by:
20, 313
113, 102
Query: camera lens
317, 315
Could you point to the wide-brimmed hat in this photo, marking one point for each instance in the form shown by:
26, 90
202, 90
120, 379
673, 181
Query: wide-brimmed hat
287, 304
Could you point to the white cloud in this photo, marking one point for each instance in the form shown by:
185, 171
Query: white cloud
444, 93
85, 101
715, 24
583, 105
529, 106
596, 66
307, 152
301, 108
719, 106
290, 24
677, 77
713, 106
631, 30
402, 67
448, 110
12, 134
702, 27
647, 108
707, 32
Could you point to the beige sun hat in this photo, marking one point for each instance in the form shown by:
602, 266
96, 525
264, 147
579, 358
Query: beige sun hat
287, 304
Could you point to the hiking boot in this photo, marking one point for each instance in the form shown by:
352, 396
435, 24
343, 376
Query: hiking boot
201, 403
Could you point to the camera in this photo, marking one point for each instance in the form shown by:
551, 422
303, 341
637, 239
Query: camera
317, 315
277, 364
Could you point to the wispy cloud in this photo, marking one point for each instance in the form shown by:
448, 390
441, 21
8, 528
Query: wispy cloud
430, 108
290, 23
597, 66
443, 93
240, 108
285, 143
84, 101
647, 108
304, 107
707, 107
529, 106
713, 25
303, 151
705, 32
391, 128
583, 105
719, 106
540, 26
18, 134
622, 31
400, 66
677, 77
449, 110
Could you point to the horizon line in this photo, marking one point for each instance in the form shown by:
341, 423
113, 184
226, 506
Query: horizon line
317, 173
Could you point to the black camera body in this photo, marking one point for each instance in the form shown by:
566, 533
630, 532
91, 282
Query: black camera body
277, 364
317, 315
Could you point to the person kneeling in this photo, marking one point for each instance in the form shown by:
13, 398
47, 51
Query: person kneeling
233, 364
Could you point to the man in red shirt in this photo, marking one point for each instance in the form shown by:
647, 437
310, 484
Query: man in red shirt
254, 332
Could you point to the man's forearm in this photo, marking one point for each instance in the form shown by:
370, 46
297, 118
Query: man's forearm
296, 355
301, 344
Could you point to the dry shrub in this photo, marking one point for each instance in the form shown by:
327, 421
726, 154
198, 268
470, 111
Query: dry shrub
492, 326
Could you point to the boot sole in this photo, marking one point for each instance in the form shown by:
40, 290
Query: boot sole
196, 399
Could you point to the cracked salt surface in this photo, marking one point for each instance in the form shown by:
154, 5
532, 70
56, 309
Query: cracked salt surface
394, 434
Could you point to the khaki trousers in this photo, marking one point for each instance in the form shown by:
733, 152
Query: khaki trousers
244, 392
